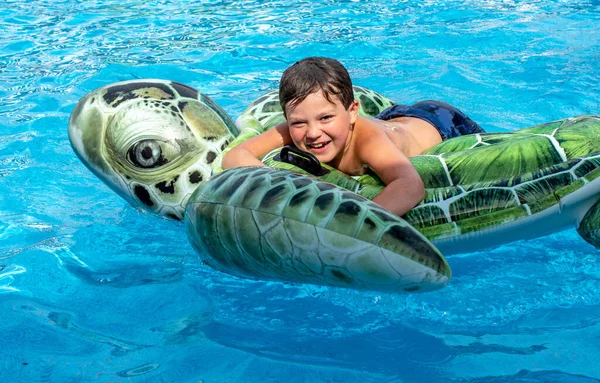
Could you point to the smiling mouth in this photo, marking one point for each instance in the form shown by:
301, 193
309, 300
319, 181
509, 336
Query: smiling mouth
319, 145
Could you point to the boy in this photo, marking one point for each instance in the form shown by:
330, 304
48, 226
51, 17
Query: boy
322, 119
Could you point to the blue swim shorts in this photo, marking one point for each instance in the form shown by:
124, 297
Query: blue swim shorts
448, 120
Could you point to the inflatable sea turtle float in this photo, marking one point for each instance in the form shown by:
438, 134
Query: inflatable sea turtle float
158, 144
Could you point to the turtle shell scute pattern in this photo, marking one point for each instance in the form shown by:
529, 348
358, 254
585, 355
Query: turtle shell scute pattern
309, 229
452, 207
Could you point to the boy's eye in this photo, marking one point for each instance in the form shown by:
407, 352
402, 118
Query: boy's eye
326, 117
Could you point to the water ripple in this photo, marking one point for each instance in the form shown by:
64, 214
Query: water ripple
72, 46
7, 273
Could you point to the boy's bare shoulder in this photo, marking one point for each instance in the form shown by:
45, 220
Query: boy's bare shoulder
397, 133
411, 135
370, 127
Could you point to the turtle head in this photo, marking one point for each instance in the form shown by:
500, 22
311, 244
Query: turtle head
151, 141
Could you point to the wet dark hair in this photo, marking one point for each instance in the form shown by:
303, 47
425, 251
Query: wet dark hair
312, 74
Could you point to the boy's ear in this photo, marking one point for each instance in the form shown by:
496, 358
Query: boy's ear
353, 110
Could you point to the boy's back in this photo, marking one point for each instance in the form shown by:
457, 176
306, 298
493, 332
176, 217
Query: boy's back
411, 135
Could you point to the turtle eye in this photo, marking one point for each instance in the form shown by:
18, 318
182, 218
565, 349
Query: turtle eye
147, 154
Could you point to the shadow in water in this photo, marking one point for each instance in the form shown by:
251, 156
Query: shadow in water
398, 351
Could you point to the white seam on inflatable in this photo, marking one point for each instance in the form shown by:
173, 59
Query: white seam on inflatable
446, 210
478, 136
515, 194
439, 157
560, 203
557, 147
572, 172
446, 170
457, 230
445, 204
530, 181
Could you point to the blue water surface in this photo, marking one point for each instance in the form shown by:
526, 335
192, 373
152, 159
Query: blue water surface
92, 290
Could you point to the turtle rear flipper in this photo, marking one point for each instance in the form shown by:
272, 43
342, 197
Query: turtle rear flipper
589, 227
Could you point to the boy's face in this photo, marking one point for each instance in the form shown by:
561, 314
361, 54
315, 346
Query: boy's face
320, 127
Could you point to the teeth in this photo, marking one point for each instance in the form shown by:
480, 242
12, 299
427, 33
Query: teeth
317, 146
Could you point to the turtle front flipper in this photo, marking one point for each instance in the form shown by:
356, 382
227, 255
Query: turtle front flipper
589, 227
271, 224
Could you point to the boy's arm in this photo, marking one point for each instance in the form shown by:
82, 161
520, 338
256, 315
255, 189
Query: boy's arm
248, 152
404, 186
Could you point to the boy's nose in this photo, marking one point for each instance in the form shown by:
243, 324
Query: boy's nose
313, 132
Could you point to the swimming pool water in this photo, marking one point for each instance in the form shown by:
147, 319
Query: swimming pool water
92, 290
